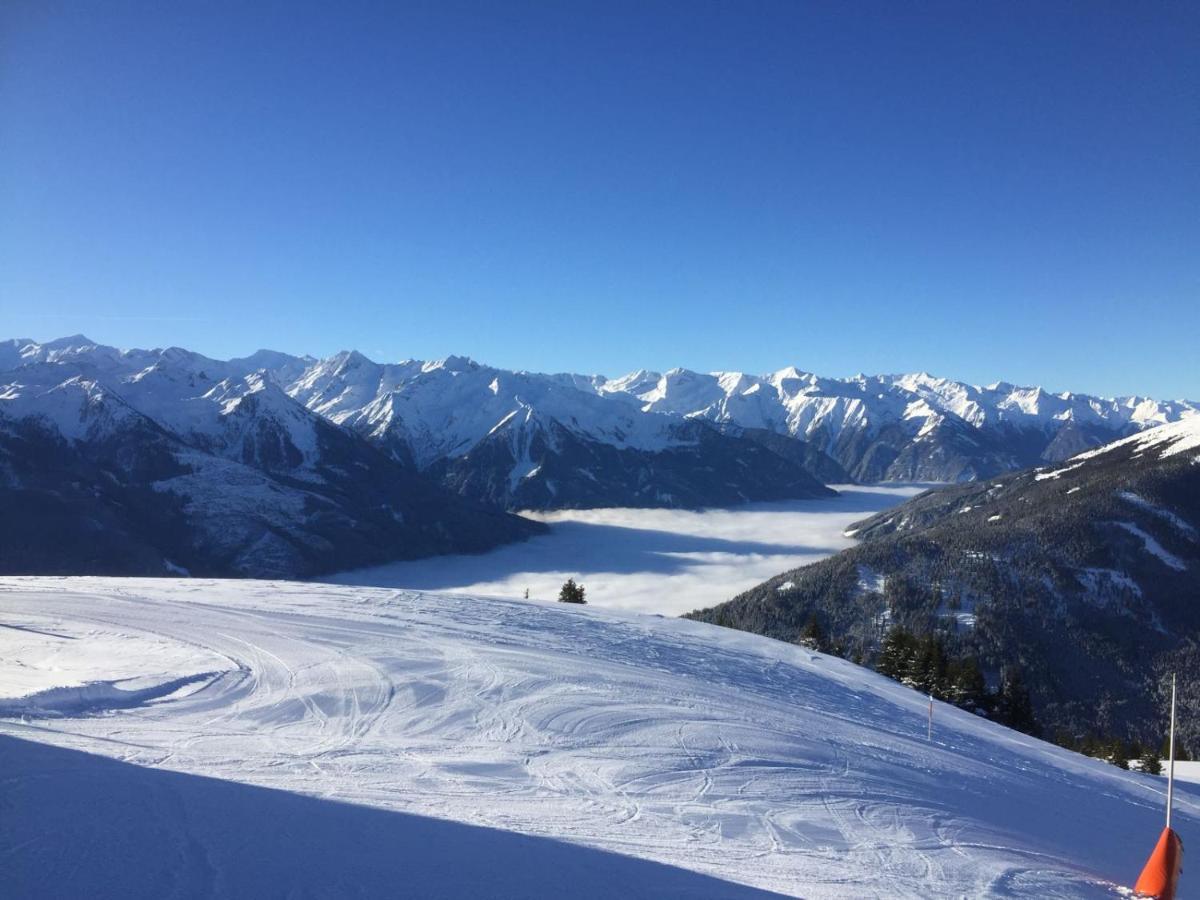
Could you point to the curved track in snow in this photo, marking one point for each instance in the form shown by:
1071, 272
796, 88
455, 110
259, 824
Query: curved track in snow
727, 754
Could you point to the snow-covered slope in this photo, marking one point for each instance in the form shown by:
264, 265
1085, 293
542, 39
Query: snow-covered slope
743, 760
1157, 443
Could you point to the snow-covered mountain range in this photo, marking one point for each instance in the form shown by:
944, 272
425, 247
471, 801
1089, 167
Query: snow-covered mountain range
875, 428
880, 428
270, 438
903, 427
868, 428
166, 461
524, 440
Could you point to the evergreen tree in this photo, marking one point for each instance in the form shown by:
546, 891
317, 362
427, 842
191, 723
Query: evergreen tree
812, 636
1181, 754
1013, 706
966, 685
571, 592
896, 653
927, 668
1118, 754
1151, 764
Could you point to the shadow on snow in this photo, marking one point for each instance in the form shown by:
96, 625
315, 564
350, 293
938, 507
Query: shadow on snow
79, 825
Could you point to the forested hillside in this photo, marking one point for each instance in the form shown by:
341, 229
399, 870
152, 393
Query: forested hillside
1078, 584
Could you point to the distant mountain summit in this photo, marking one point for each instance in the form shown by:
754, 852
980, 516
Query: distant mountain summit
475, 424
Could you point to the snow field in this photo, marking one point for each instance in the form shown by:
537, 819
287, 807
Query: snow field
730, 755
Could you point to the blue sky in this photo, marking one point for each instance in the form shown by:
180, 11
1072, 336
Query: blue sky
981, 190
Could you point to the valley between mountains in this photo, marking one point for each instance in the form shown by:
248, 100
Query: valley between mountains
151, 462
351, 626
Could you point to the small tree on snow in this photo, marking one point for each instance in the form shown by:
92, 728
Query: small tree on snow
571, 592
1151, 764
812, 636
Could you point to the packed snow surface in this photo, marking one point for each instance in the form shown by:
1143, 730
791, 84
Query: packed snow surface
668, 561
52, 662
1186, 771
679, 749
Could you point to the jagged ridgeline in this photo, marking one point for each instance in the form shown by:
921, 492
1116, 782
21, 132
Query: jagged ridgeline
150, 461
1081, 579
165, 462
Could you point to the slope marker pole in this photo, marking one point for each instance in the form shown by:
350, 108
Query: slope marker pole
1171, 755
929, 735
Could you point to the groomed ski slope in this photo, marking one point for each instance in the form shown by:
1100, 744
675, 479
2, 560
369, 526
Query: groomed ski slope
602, 754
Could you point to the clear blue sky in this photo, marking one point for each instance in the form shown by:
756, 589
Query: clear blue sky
981, 190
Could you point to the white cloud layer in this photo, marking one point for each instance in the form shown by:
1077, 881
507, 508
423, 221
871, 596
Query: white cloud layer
652, 560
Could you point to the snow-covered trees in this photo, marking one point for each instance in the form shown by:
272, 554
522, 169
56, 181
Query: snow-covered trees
922, 662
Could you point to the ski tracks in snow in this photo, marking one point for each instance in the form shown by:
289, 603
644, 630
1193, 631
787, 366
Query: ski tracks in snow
683, 743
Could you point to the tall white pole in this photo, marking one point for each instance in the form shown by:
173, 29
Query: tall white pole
929, 735
1171, 756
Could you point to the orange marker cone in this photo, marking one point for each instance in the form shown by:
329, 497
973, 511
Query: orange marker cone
1160, 878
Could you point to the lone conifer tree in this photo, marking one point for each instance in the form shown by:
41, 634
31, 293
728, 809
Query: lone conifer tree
1013, 706
571, 592
1151, 764
812, 636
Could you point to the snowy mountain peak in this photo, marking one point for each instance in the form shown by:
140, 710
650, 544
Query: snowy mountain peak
349, 361
453, 364
1167, 440
273, 361
74, 340
634, 384
78, 408
791, 374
